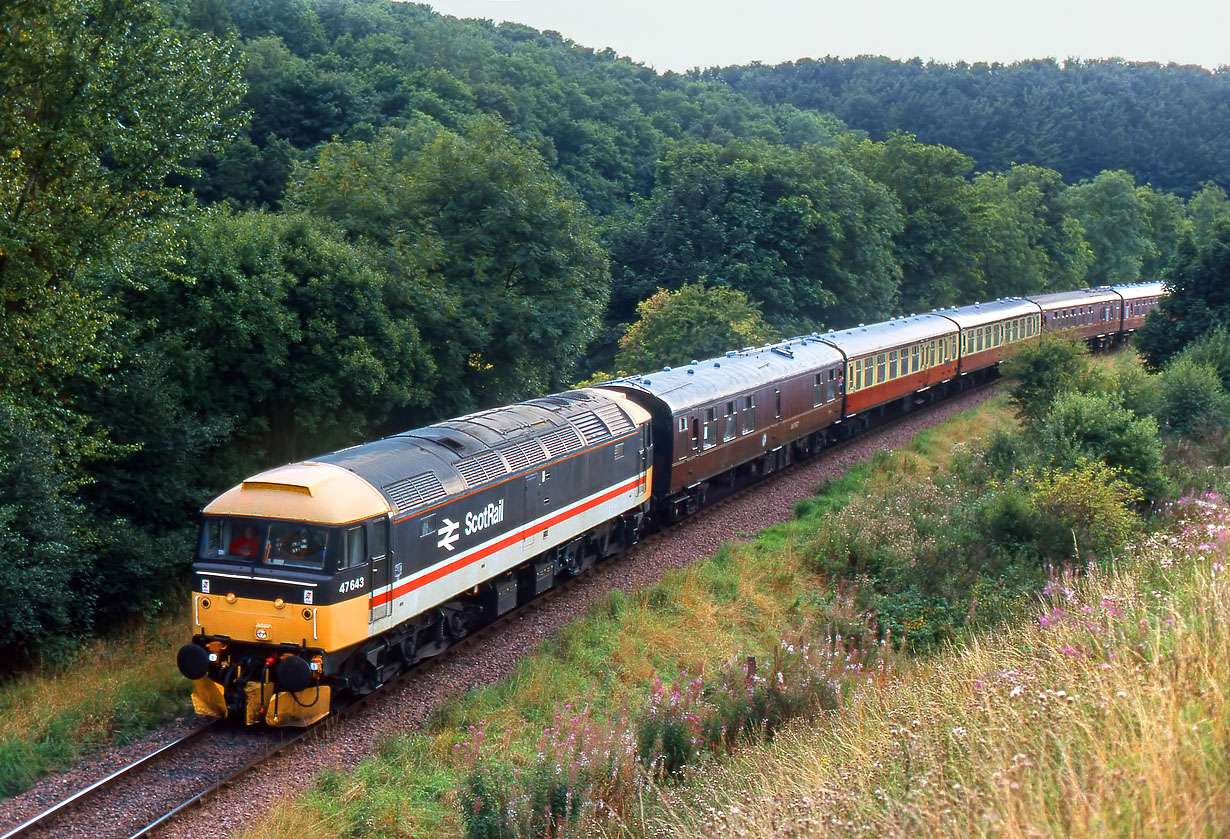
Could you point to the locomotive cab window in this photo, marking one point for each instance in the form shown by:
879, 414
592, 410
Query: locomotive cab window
297, 545
234, 539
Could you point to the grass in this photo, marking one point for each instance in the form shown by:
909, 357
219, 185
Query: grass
1103, 715
113, 691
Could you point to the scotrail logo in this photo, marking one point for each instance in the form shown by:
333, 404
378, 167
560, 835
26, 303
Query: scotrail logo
489, 515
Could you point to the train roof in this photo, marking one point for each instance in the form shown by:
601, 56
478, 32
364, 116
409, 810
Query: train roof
418, 468
1083, 297
1135, 291
859, 341
994, 311
706, 382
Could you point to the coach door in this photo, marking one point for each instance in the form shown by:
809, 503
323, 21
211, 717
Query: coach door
378, 545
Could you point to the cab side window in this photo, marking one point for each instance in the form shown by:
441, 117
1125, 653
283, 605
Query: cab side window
356, 551
380, 538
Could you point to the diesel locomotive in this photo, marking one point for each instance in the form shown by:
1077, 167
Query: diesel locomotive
332, 575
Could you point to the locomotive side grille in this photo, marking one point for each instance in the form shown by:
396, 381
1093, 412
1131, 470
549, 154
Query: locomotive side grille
592, 427
615, 419
481, 468
409, 493
561, 442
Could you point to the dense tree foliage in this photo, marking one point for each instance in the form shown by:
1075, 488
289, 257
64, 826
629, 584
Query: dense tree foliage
1165, 124
1198, 302
504, 272
799, 230
674, 327
239, 232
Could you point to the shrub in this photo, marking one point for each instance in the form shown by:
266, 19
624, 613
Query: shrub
1213, 349
1097, 427
1137, 389
1044, 369
1085, 511
1192, 395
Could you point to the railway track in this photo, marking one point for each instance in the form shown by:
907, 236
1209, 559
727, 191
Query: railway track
155, 770
161, 774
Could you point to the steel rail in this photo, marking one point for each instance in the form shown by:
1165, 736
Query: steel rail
103, 783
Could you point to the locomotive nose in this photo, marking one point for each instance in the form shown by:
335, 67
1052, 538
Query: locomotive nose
193, 661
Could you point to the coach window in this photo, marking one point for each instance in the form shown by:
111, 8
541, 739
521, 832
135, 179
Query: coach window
892, 364
832, 386
880, 365
817, 390
728, 432
710, 422
777, 397
749, 414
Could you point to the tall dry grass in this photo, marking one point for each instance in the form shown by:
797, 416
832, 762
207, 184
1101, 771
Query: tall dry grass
1106, 715
114, 689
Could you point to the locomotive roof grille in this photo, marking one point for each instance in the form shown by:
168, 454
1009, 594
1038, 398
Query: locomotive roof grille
481, 468
592, 427
516, 456
615, 419
417, 491
562, 442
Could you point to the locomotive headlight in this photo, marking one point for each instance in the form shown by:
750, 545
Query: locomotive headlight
213, 656
279, 603
230, 598
204, 602
307, 614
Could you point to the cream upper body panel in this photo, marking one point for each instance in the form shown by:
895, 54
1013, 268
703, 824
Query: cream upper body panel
307, 491
639, 415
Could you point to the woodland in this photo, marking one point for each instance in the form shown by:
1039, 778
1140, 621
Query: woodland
235, 233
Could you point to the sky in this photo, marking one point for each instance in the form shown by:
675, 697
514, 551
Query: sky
682, 34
